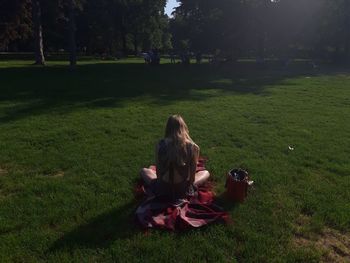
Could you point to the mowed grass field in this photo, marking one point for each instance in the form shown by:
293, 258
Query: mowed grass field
72, 144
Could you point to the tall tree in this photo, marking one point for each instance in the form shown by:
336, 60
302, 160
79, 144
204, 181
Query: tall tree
38, 33
70, 10
72, 32
208, 25
334, 29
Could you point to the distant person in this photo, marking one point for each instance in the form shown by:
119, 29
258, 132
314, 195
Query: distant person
185, 58
146, 57
176, 160
172, 57
215, 60
119, 55
154, 56
198, 57
151, 55
314, 65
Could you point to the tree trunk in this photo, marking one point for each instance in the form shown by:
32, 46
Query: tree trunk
337, 55
124, 42
347, 50
136, 44
38, 33
72, 30
261, 46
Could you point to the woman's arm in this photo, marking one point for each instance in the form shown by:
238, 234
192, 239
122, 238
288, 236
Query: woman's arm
194, 161
157, 159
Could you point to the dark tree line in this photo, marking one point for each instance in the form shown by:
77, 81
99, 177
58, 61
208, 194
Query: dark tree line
106, 27
260, 28
230, 28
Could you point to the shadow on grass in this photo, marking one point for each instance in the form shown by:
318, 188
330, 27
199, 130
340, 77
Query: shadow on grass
100, 231
225, 203
119, 224
29, 91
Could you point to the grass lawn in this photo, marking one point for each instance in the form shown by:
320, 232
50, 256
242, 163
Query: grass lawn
72, 144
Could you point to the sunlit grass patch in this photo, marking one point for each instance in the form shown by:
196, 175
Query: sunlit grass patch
72, 144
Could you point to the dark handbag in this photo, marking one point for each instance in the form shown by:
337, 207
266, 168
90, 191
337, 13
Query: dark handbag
237, 183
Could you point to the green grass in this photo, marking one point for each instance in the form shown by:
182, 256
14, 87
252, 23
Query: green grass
98, 126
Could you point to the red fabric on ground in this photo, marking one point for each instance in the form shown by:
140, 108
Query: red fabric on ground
194, 211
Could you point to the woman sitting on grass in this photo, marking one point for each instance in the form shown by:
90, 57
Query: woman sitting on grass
176, 162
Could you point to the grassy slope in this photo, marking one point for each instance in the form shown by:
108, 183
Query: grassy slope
99, 125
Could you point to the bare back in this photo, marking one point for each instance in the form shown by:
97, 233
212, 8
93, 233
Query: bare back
175, 179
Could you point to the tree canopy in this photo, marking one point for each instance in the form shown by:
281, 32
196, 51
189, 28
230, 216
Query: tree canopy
258, 28
234, 28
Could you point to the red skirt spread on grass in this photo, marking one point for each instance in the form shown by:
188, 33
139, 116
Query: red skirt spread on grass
194, 211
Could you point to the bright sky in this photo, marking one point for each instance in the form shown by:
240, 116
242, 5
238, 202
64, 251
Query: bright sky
170, 5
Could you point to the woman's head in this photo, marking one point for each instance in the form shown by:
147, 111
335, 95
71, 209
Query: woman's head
176, 129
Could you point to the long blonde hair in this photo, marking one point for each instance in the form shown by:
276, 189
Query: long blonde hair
176, 131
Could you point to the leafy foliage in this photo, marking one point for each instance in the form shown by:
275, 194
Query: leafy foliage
15, 22
282, 28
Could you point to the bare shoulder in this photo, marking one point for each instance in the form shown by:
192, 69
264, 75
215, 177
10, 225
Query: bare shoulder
195, 148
